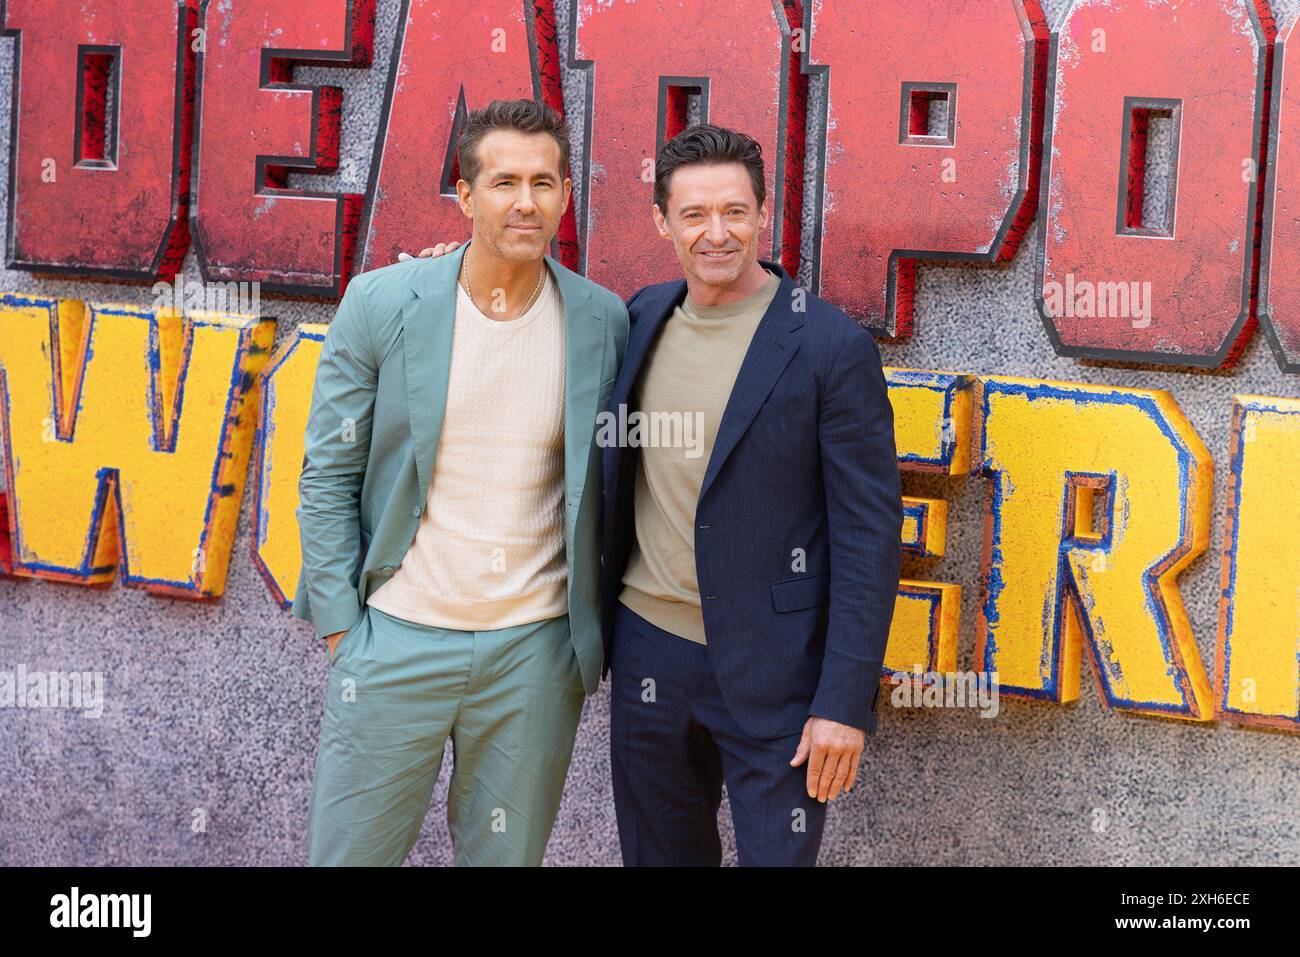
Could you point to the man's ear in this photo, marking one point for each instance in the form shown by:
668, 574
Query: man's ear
463, 198
568, 192
661, 223
762, 214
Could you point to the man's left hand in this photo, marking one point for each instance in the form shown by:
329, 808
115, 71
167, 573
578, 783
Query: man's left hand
832, 751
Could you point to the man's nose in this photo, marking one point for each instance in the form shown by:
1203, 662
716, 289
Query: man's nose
717, 230
525, 202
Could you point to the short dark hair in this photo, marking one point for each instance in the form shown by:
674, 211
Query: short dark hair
704, 143
524, 116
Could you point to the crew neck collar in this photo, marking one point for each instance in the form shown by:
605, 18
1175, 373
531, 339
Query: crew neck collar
548, 288
731, 309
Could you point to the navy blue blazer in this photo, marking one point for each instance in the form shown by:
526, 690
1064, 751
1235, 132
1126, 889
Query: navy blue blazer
804, 465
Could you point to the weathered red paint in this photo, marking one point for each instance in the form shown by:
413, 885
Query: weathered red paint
1279, 270
1105, 56
120, 217
738, 54
447, 61
887, 199
255, 124
118, 205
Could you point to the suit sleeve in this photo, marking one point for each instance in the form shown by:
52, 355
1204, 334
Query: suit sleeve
864, 509
329, 488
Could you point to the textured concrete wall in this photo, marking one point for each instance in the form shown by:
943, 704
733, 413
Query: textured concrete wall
218, 706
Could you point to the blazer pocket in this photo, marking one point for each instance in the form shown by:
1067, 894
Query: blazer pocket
785, 405
797, 593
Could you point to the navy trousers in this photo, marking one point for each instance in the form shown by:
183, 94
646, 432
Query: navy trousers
672, 745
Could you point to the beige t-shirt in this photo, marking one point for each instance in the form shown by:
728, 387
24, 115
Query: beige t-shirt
690, 372
489, 549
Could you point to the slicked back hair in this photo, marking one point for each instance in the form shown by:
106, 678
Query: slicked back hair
523, 116
706, 144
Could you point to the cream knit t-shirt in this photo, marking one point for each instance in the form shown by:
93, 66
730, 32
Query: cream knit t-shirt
489, 550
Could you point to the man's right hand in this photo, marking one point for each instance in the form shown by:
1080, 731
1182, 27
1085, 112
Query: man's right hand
432, 252
333, 641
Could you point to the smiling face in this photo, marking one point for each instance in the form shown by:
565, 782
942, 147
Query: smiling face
518, 196
714, 221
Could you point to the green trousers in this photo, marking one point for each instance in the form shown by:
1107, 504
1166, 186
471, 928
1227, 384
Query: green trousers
509, 700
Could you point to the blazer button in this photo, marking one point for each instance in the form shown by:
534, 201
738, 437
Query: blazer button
416, 511
387, 569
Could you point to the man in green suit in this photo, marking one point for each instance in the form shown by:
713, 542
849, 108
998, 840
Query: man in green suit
449, 518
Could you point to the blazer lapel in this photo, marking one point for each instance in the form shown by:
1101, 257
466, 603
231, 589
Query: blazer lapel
770, 351
427, 324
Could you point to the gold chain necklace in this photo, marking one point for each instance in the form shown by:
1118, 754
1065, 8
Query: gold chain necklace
464, 275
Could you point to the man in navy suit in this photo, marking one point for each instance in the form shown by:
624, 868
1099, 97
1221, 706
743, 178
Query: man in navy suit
748, 585
751, 540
